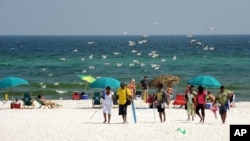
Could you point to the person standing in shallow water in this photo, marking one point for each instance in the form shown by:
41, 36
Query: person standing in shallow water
160, 99
107, 97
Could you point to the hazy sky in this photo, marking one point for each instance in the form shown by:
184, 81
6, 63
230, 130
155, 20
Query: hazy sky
118, 17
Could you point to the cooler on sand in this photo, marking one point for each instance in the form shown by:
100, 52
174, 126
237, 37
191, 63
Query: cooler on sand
85, 97
14, 105
208, 105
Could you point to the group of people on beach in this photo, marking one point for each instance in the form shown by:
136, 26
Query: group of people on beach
126, 92
196, 102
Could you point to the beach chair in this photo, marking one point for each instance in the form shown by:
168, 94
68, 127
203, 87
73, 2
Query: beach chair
41, 103
27, 101
180, 100
96, 100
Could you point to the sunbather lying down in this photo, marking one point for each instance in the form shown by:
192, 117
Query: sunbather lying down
49, 102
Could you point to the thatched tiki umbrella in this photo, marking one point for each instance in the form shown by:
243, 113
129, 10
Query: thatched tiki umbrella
166, 80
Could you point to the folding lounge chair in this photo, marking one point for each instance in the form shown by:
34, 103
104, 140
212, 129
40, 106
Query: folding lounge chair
96, 100
27, 100
41, 103
180, 100
46, 105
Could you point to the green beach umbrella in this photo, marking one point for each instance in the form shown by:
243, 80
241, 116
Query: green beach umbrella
87, 78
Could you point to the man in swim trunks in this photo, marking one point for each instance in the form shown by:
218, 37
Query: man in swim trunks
222, 97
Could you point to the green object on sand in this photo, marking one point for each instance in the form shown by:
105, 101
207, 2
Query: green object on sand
182, 130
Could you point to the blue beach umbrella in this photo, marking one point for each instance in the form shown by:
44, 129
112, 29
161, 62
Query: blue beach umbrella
103, 82
204, 80
9, 82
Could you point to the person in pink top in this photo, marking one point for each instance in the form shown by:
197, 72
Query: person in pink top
201, 103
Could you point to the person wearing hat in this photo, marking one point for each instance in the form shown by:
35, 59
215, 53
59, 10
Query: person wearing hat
132, 87
144, 85
222, 98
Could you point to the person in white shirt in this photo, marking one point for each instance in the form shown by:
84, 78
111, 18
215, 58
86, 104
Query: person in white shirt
107, 103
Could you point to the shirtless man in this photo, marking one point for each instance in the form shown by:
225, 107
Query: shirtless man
210, 97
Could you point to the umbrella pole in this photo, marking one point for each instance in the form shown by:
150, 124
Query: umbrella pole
86, 86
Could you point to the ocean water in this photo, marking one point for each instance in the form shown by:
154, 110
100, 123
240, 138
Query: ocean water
56, 61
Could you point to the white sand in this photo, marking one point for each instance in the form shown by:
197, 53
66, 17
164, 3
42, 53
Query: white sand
74, 123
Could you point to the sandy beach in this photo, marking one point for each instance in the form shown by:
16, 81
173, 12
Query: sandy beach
77, 120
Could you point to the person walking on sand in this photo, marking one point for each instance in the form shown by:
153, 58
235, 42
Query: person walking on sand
201, 103
222, 99
144, 85
170, 91
190, 102
160, 99
132, 87
107, 103
122, 94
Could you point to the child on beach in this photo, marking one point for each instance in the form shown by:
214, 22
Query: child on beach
170, 91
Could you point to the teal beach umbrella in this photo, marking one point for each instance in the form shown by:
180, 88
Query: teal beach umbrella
103, 82
204, 80
9, 82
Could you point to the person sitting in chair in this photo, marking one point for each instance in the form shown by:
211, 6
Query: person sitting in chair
47, 102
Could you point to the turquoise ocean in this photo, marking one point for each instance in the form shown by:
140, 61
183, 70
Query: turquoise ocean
53, 63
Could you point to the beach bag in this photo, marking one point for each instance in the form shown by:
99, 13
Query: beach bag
128, 100
103, 95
